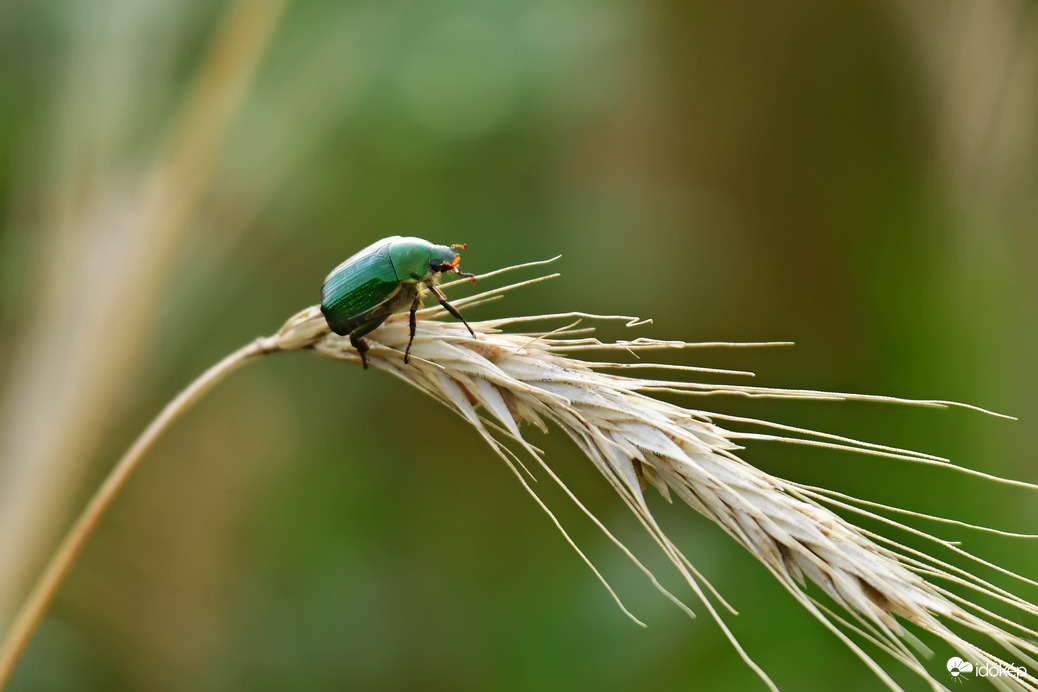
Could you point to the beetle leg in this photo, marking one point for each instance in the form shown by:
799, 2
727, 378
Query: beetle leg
468, 275
450, 308
414, 307
454, 265
360, 343
362, 347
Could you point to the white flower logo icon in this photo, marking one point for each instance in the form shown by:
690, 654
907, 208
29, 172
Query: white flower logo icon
958, 668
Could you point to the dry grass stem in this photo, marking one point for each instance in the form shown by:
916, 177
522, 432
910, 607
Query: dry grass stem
29, 615
873, 586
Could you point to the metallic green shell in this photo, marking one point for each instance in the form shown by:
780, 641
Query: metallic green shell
364, 282
410, 258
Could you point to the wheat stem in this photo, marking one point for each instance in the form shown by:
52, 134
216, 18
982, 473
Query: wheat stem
28, 617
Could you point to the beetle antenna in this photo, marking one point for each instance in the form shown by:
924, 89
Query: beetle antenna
460, 246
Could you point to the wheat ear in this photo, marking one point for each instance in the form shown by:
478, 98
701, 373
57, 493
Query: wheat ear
501, 380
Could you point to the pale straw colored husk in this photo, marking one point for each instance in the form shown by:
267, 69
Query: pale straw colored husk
499, 382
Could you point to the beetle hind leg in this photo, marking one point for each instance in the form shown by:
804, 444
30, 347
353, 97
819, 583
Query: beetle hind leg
360, 343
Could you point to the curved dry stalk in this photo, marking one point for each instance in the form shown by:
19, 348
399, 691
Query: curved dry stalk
28, 617
498, 381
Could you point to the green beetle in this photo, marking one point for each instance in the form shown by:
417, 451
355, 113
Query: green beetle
383, 279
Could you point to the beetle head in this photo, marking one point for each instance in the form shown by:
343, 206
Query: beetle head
445, 259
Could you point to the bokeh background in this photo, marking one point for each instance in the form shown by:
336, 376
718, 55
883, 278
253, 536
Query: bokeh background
178, 176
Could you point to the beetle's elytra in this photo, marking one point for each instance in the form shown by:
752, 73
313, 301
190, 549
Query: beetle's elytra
385, 278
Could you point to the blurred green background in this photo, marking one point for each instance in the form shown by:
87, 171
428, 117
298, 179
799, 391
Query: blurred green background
177, 177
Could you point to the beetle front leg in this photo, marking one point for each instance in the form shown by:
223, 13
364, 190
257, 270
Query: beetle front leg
468, 275
413, 323
450, 308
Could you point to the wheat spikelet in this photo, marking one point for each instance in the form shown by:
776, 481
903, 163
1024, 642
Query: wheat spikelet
500, 381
